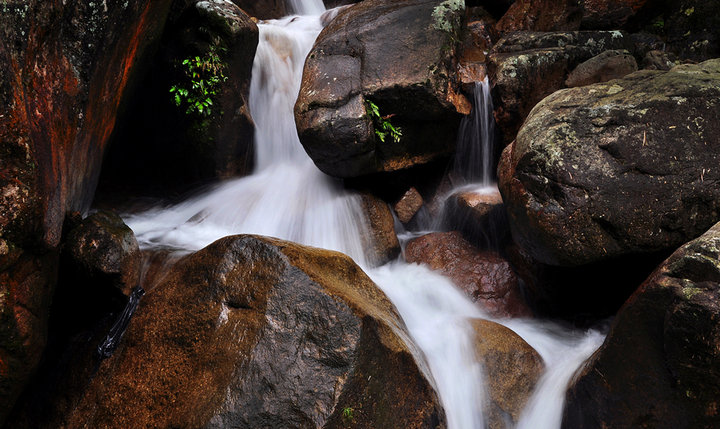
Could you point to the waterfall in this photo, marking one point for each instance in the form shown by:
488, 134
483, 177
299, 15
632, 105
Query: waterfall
289, 198
474, 159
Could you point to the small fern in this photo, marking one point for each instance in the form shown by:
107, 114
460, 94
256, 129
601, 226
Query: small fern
383, 127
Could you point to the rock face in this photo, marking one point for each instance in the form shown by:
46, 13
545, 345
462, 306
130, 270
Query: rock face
382, 245
483, 275
479, 215
512, 369
61, 85
363, 56
602, 68
267, 9
526, 67
608, 14
625, 167
256, 332
541, 15
660, 365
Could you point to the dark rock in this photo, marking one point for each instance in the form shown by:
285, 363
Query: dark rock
257, 332
658, 60
602, 68
480, 215
541, 15
660, 364
103, 247
382, 245
626, 167
266, 9
362, 56
408, 205
484, 276
161, 148
526, 67
496, 8
61, 86
512, 369
608, 14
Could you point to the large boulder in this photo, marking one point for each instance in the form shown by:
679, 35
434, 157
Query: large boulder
363, 56
162, 146
609, 65
512, 369
660, 364
484, 276
525, 67
257, 332
619, 168
61, 86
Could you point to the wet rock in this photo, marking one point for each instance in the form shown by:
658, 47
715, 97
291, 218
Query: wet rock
484, 276
267, 9
408, 205
382, 245
512, 369
602, 68
257, 332
608, 14
525, 67
61, 86
615, 169
480, 215
659, 365
496, 8
104, 248
362, 57
541, 15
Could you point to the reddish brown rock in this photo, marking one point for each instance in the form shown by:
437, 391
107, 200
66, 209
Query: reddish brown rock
258, 332
484, 276
61, 86
512, 369
602, 68
660, 364
408, 205
480, 215
541, 15
608, 14
382, 245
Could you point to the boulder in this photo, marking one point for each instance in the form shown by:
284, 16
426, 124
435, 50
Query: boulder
479, 215
382, 245
61, 87
103, 248
163, 147
408, 205
609, 65
258, 332
512, 369
608, 14
658, 60
267, 9
484, 276
620, 168
541, 15
525, 67
660, 364
362, 57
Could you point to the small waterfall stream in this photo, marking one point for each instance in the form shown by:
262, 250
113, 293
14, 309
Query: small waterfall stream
289, 198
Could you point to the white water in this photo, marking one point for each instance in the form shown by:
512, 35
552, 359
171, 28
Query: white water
475, 148
287, 197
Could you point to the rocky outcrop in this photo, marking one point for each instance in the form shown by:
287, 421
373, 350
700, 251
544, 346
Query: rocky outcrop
61, 86
512, 369
484, 276
609, 65
257, 332
620, 168
363, 57
526, 67
608, 14
660, 364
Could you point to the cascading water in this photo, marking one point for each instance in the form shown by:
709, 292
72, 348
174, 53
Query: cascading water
289, 198
475, 148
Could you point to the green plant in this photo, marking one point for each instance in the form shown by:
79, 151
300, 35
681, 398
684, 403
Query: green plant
382, 124
202, 78
347, 413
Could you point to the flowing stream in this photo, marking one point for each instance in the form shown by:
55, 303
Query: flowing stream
288, 197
